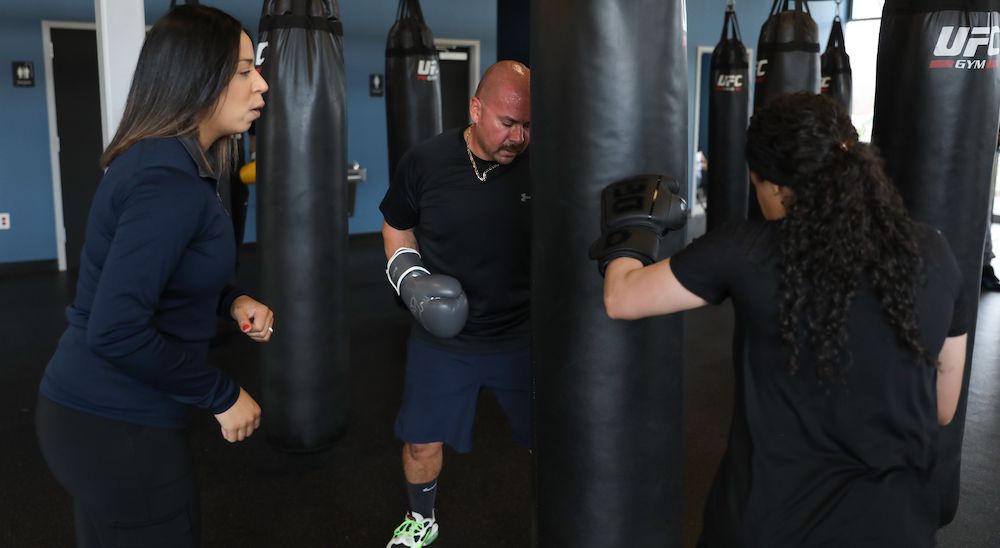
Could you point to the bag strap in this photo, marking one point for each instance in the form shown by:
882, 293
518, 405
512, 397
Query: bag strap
731, 23
269, 23
782, 5
415, 10
776, 6
836, 40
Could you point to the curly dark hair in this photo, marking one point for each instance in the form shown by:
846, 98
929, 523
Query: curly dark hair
845, 224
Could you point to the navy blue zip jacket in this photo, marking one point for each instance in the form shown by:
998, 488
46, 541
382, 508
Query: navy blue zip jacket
159, 251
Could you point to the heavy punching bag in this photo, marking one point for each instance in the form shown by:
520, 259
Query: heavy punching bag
728, 104
609, 100
937, 103
728, 196
835, 66
302, 223
412, 83
787, 52
787, 60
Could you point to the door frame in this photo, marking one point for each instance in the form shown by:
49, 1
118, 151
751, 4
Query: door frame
698, 91
50, 96
474, 54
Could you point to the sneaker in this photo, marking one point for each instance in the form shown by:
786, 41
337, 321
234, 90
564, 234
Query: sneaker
416, 531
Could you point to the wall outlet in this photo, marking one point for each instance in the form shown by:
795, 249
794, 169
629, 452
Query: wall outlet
4, 221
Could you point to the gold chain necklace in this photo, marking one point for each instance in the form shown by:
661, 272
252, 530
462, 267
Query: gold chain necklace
475, 168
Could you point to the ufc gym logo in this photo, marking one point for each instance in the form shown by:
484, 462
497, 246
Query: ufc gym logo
761, 70
729, 82
966, 42
259, 60
427, 69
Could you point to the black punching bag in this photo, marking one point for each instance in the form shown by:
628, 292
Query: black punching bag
302, 223
412, 83
787, 52
937, 102
835, 66
728, 105
787, 60
609, 100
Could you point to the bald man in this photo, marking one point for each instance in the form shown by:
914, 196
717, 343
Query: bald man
457, 240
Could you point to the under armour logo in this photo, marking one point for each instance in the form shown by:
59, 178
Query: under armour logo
525, 197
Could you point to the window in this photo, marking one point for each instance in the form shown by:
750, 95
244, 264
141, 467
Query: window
861, 39
866, 9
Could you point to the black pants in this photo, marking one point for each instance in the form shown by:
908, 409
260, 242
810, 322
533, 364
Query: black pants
132, 486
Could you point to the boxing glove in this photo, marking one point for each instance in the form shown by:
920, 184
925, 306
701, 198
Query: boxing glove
436, 300
635, 214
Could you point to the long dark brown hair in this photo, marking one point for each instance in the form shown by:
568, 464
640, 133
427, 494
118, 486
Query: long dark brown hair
189, 57
845, 223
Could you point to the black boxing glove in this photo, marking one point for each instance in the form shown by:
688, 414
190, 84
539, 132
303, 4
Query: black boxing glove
635, 214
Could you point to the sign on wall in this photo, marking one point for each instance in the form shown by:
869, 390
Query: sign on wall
24, 74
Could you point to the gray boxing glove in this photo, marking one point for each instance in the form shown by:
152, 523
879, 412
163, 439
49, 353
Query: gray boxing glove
436, 300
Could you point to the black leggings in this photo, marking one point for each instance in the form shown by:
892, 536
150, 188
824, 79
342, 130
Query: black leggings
131, 485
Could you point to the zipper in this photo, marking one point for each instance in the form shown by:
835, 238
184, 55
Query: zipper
218, 196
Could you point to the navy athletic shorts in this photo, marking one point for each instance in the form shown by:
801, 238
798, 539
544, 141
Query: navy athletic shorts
442, 388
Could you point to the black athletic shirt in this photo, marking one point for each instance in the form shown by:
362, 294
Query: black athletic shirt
841, 463
478, 232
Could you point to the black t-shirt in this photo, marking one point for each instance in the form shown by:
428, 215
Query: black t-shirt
840, 463
479, 232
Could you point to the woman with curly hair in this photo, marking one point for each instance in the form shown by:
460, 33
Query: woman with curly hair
853, 342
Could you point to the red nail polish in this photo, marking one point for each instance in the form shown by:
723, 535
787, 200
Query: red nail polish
246, 327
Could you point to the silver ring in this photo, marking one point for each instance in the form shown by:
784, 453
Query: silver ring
270, 330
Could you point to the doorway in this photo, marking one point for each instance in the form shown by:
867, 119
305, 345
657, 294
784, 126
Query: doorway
76, 142
459, 65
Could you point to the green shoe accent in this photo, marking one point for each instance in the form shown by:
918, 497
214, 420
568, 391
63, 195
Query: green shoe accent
416, 531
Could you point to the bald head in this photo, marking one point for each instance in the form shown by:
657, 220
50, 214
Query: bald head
501, 113
503, 78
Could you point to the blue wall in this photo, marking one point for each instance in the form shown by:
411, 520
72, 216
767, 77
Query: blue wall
25, 183
26, 179
366, 24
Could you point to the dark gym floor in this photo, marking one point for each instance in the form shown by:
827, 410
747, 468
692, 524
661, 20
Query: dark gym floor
352, 495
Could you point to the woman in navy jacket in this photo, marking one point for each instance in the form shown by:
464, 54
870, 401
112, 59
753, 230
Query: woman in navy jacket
159, 250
